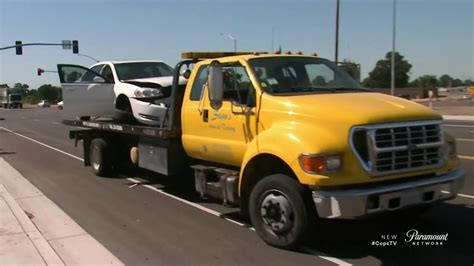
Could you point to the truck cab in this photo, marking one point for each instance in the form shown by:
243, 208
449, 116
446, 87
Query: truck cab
301, 132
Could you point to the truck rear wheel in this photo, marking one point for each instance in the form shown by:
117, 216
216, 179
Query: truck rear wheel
101, 157
280, 211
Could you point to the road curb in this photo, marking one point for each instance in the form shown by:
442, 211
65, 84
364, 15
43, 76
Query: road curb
459, 117
49, 224
41, 245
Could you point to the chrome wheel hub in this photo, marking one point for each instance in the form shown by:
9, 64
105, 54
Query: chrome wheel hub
277, 213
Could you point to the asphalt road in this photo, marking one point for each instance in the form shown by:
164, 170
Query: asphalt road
156, 223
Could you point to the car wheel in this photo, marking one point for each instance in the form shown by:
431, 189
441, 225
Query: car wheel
101, 157
281, 211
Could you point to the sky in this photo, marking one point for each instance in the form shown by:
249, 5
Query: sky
435, 36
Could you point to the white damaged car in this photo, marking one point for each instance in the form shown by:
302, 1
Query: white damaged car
113, 88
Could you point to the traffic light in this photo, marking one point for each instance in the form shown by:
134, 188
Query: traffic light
75, 47
40, 71
19, 48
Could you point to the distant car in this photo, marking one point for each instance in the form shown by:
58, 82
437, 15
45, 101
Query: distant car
140, 88
44, 104
60, 105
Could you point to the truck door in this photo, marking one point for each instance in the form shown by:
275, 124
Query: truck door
86, 92
220, 135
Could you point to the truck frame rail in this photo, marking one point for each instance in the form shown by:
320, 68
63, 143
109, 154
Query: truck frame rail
163, 133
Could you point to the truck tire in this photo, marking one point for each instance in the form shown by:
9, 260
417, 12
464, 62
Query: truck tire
281, 212
101, 157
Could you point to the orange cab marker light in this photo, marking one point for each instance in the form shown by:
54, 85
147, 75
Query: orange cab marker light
299, 53
315, 54
210, 55
312, 164
288, 52
277, 52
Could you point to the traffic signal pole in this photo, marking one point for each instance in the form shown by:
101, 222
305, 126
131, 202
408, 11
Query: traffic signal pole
18, 45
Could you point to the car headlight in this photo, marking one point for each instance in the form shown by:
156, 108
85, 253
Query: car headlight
147, 92
320, 163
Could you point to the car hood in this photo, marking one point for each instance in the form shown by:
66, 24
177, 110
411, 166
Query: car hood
162, 81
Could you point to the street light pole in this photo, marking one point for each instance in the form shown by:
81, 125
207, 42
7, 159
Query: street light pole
392, 82
233, 39
90, 57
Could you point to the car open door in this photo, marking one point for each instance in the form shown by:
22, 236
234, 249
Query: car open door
85, 92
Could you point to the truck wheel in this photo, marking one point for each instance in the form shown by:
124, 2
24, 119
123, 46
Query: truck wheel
101, 157
280, 212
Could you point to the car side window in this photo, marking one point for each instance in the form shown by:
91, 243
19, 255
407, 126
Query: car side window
107, 73
89, 75
237, 84
199, 81
76, 74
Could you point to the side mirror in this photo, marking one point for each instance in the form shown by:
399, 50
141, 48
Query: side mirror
216, 85
186, 73
251, 98
99, 79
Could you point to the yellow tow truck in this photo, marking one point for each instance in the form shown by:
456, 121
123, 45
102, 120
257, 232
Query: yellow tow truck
289, 138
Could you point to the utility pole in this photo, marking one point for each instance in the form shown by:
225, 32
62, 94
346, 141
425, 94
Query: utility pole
337, 34
392, 82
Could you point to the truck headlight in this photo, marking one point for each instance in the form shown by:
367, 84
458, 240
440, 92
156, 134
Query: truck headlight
450, 148
320, 163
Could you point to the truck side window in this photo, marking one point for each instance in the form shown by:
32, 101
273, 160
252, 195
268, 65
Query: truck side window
237, 84
201, 79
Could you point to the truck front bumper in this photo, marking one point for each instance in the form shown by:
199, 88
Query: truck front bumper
355, 203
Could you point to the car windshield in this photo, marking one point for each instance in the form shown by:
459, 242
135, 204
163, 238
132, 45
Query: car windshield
139, 70
296, 75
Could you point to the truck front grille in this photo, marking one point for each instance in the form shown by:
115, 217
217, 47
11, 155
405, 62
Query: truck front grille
399, 147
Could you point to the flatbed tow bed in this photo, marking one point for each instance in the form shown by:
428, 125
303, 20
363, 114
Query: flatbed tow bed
108, 144
111, 126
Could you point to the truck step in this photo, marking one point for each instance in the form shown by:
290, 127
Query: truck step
217, 182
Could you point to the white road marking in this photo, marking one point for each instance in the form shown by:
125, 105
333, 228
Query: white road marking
43, 144
322, 256
210, 211
235, 222
466, 157
55, 123
465, 140
460, 195
202, 208
451, 125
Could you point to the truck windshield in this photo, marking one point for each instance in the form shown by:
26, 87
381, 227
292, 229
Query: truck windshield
139, 70
15, 97
296, 75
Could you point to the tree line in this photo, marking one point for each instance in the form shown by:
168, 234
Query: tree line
33, 96
380, 76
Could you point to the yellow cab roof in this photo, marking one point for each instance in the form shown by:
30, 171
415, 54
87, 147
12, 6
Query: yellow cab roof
207, 57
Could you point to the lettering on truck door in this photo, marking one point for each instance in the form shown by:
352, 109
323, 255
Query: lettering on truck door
220, 135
